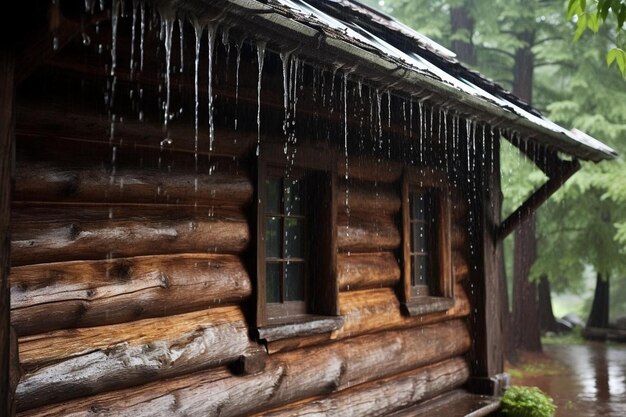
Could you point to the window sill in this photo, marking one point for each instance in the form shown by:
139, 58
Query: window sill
424, 305
300, 326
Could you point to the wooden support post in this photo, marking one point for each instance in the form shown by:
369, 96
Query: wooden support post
487, 355
7, 68
558, 178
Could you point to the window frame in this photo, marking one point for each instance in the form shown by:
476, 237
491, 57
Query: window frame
288, 308
319, 168
414, 302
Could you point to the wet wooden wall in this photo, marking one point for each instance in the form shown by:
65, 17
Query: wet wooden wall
131, 292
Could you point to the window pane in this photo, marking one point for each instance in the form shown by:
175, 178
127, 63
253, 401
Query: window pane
272, 237
294, 238
273, 272
274, 194
419, 270
293, 196
419, 204
420, 238
294, 281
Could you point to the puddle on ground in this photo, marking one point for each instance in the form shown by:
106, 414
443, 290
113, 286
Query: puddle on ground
593, 381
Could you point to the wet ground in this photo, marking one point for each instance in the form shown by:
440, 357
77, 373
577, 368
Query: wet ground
584, 380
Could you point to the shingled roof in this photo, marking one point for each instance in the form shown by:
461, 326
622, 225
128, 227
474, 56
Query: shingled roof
349, 35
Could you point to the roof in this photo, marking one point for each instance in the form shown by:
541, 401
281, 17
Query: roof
349, 35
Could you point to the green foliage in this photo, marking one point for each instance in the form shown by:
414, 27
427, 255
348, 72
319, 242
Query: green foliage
590, 16
520, 401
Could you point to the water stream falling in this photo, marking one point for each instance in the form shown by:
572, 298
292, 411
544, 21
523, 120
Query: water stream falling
168, 25
238, 46
345, 139
284, 56
198, 29
115, 11
260, 48
181, 45
142, 30
132, 39
211, 29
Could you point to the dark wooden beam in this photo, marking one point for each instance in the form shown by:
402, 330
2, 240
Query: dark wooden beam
7, 68
486, 321
49, 36
558, 178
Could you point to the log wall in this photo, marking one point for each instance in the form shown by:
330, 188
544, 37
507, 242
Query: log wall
131, 289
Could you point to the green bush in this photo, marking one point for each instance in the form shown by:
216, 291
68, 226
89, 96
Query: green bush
519, 401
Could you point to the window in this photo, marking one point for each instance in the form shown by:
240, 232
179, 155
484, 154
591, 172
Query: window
296, 245
286, 254
427, 275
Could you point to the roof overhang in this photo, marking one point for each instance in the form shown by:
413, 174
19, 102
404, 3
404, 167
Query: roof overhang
297, 25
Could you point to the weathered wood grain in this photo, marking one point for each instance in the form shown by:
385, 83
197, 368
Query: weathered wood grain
71, 363
384, 396
75, 232
287, 377
367, 197
53, 296
370, 169
367, 270
46, 117
7, 88
51, 182
459, 239
358, 233
374, 310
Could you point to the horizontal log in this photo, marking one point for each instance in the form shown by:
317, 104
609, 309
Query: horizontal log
370, 169
51, 182
287, 377
293, 343
367, 270
47, 117
368, 311
53, 296
367, 197
366, 234
384, 396
71, 363
75, 232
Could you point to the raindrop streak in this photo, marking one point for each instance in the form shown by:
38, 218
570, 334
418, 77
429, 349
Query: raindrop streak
260, 50
345, 136
389, 108
182, 45
169, 25
411, 117
211, 39
380, 123
422, 129
238, 45
284, 56
142, 31
114, 18
198, 31
132, 40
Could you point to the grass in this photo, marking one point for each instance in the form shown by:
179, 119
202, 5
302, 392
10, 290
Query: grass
572, 338
533, 364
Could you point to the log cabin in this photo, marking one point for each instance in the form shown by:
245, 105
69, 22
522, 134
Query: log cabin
253, 207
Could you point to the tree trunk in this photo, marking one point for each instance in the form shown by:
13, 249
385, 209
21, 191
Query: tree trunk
546, 315
525, 312
525, 318
599, 315
462, 23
